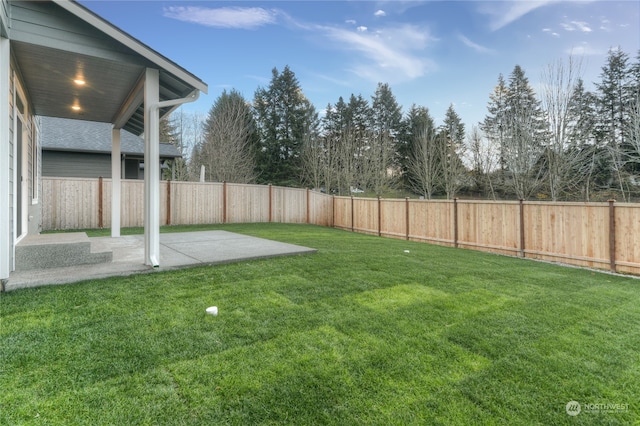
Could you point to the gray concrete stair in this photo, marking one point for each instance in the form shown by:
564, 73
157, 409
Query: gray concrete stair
44, 251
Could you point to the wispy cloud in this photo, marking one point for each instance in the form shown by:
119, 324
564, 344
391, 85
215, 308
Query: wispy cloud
584, 49
389, 54
576, 26
475, 46
394, 53
224, 17
380, 13
504, 13
550, 32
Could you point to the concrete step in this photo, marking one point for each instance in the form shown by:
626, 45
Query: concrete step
45, 251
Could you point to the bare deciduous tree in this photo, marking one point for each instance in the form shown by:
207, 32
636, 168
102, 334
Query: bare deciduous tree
227, 149
188, 134
376, 162
633, 132
483, 156
423, 164
563, 158
314, 158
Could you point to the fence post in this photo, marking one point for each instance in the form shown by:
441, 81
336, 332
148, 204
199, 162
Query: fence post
522, 254
100, 206
308, 207
455, 222
333, 211
406, 216
352, 214
224, 201
270, 203
612, 235
379, 217
169, 202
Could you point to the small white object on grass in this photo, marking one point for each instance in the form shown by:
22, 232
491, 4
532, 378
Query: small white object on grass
212, 310
406, 251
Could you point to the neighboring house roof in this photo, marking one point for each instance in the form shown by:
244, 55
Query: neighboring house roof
62, 134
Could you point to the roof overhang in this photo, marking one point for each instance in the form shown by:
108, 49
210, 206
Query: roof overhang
59, 42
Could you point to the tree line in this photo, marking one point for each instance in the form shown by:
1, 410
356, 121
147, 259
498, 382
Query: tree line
563, 142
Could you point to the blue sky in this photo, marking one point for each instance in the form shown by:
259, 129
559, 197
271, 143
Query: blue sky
431, 53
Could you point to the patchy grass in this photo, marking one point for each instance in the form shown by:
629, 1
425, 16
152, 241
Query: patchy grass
361, 332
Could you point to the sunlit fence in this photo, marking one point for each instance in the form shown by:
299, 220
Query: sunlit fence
597, 235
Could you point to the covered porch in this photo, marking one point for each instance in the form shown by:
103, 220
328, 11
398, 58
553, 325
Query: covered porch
62, 60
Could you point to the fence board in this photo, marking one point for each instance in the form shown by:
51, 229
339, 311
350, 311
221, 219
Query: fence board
247, 203
289, 205
627, 238
342, 217
561, 231
321, 209
492, 226
196, 204
393, 218
431, 221
365, 215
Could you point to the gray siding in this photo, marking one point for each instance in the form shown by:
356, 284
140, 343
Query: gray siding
4, 18
75, 164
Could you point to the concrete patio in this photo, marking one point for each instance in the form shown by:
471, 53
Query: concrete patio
177, 250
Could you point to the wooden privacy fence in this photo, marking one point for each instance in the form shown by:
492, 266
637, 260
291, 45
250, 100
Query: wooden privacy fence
597, 235
70, 203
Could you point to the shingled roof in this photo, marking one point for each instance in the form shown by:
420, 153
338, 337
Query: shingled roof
62, 134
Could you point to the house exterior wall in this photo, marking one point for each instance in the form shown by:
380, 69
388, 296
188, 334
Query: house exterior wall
6, 241
75, 164
86, 165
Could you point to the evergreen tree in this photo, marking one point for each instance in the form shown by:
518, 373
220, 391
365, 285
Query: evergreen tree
494, 123
632, 134
168, 134
634, 76
284, 117
379, 158
451, 139
334, 125
523, 135
354, 143
386, 114
613, 97
417, 122
590, 172
613, 113
358, 115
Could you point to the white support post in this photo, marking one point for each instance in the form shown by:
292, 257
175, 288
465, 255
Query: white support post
5, 178
152, 167
116, 172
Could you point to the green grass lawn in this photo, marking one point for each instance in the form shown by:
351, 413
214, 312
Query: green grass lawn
361, 332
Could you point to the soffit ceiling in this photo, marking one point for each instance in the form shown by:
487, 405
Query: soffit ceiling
53, 48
